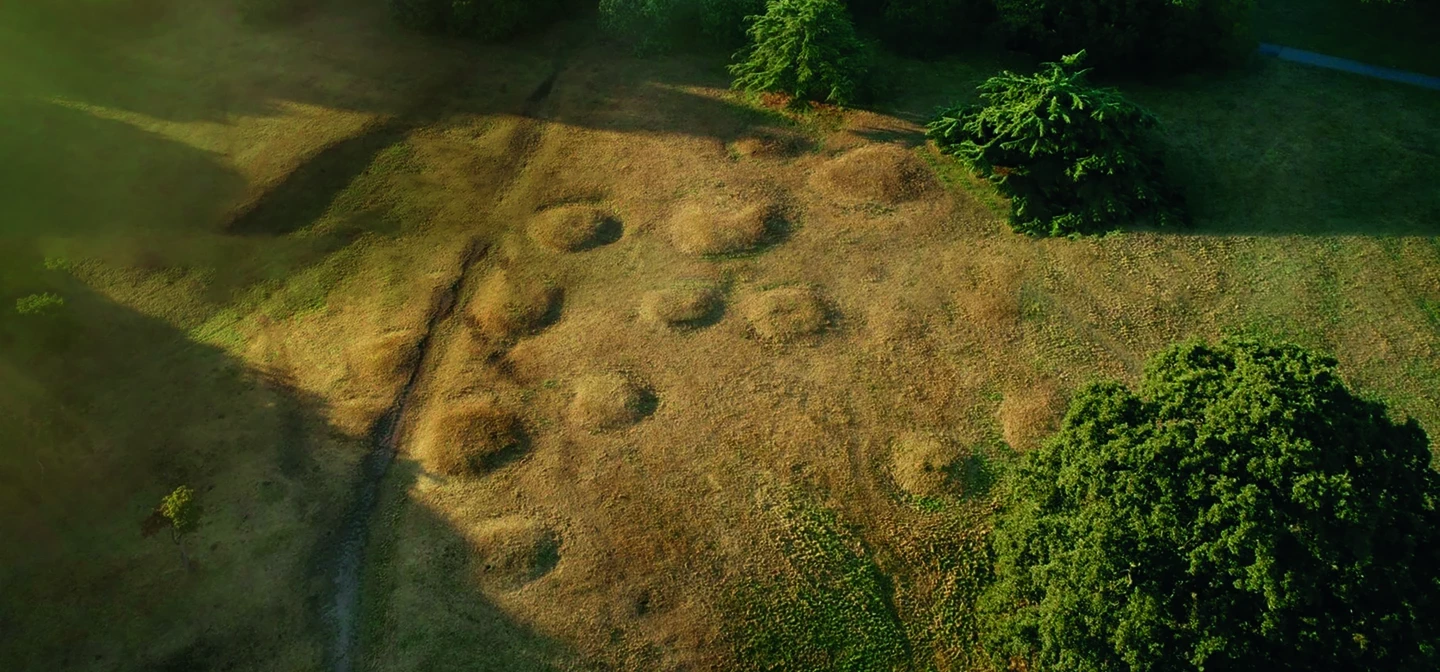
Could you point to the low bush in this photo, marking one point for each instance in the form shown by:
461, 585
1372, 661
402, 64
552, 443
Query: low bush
807, 49
39, 304
1131, 35
1073, 158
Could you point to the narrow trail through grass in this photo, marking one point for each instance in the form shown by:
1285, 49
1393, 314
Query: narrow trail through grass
343, 606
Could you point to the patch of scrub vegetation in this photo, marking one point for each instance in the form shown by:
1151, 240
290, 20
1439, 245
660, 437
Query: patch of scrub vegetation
828, 608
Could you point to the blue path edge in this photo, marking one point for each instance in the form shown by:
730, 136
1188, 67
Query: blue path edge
1346, 65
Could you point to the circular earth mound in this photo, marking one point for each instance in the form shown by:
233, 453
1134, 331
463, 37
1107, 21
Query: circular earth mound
469, 438
705, 230
787, 313
920, 465
886, 173
608, 401
507, 307
511, 551
770, 146
681, 307
573, 228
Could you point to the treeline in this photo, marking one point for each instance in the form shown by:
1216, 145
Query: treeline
1140, 35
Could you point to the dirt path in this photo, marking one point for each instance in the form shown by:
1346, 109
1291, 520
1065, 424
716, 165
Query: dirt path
342, 605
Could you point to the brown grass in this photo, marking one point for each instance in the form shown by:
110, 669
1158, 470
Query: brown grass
1029, 414
510, 551
919, 465
468, 438
786, 314
606, 401
888, 174
653, 520
770, 145
571, 228
698, 228
680, 306
506, 306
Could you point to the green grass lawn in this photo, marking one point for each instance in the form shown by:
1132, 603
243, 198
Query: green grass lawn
1391, 36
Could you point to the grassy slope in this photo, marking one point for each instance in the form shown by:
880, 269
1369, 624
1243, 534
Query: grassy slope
186, 354
251, 364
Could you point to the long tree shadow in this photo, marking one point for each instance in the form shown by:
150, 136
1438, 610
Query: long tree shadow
106, 410
427, 605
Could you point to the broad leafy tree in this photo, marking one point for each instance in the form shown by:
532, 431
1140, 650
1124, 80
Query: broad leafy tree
1243, 511
807, 49
1073, 158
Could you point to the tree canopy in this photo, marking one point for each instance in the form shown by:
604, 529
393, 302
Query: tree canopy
1244, 511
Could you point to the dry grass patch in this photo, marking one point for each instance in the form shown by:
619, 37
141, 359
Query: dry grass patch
888, 174
469, 438
511, 551
920, 465
680, 307
574, 228
1030, 414
506, 306
768, 145
608, 401
699, 228
787, 313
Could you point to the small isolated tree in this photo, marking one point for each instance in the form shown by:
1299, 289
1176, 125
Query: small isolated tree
39, 304
182, 514
807, 49
1073, 158
1244, 511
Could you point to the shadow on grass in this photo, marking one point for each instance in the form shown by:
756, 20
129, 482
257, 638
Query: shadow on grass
422, 607
107, 410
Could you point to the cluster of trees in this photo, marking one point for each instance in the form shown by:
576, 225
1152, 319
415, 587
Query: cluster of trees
1120, 34
1242, 511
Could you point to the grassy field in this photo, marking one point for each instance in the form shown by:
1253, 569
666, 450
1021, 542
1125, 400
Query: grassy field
249, 240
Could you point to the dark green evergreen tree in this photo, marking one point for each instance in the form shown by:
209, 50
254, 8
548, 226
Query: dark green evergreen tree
805, 48
1072, 157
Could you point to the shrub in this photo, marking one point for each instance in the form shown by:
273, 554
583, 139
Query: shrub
1143, 35
483, 19
39, 304
664, 25
1244, 511
1073, 158
805, 48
